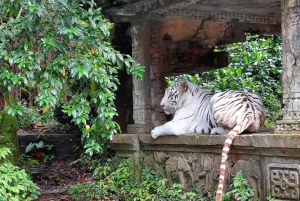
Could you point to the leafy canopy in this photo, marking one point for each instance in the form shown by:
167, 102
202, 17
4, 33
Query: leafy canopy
62, 48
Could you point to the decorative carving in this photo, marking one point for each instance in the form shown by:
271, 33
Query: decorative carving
221, 15
150, 5
252, 172
283, 181
163, 8
287, 126
194, 169
202, 170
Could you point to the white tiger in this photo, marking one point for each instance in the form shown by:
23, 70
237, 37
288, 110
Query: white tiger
200, 111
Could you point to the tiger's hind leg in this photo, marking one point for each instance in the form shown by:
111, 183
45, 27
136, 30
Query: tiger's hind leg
254, 126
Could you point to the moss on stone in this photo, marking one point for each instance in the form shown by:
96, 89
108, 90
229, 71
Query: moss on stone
8, 135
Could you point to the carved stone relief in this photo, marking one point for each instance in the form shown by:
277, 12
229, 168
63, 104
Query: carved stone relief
287, 126
202, 170
221, 16
193, 169
283, 181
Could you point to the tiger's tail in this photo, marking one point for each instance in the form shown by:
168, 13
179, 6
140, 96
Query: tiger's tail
229, 139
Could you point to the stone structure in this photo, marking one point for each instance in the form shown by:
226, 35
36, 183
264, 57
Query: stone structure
172, 37
291, 66
266, 161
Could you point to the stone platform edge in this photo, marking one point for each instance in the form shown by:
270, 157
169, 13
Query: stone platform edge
262, 139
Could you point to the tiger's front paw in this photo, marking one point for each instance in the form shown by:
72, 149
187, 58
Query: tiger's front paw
155, 133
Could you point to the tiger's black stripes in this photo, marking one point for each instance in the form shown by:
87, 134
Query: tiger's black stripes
244, 113
199, 111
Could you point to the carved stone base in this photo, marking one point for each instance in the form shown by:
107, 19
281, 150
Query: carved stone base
270, 162
287, 126
139, 128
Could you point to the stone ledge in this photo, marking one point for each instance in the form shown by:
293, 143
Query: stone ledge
262, 139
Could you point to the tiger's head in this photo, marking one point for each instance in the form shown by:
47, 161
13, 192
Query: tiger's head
173, 95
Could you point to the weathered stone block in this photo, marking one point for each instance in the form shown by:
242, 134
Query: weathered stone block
65, 146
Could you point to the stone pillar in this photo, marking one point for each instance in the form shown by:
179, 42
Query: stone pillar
291, 66
157, 76
141, 51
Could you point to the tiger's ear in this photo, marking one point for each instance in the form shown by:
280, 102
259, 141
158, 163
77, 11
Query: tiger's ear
184, 86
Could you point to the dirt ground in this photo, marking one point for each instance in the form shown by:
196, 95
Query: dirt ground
54, 179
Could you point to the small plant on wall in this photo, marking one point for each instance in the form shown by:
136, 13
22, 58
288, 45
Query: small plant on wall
240, 189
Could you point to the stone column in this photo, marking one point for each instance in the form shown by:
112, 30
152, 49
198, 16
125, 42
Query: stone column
141, 52
157, 76
291, 66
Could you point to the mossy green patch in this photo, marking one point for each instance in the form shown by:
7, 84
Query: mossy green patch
8, 135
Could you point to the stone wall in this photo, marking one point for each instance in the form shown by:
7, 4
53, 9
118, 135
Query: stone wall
270, 162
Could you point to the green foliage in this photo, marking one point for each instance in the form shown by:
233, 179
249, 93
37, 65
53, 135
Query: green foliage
240, 189
4, 152
27, 163
115, 181
61, 48
15, 184
31, 145
29, 117
254, 66
42, 146
9, 136
269, 198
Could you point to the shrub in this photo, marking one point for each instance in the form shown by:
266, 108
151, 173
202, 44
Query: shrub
62, 49
240, 189
15, 184
115, 181
30, 116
